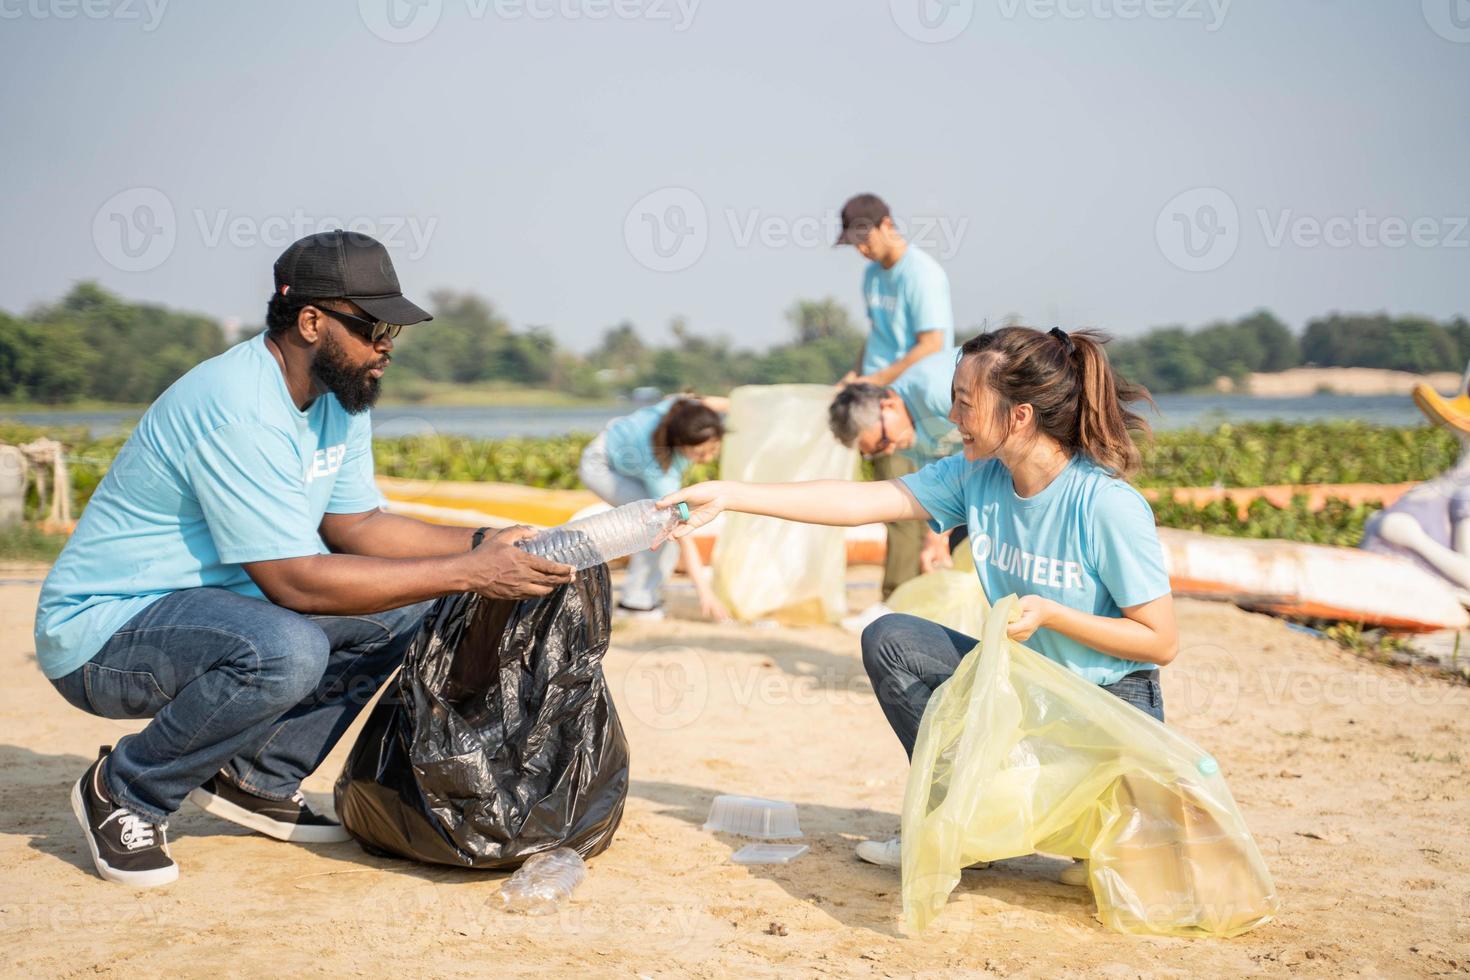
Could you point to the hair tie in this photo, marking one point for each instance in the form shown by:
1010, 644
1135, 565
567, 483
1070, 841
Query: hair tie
1067, 341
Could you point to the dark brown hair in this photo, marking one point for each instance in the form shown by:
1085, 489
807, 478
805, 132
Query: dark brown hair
1079, 400
688, 422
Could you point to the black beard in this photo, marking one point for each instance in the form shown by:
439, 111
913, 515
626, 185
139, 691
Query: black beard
355, 388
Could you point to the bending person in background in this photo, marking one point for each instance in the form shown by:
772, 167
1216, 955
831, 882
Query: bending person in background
644, 455
1430, 525
1045, 429
910, 418
906, 293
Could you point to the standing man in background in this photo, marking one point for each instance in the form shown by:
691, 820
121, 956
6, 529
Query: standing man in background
906, 294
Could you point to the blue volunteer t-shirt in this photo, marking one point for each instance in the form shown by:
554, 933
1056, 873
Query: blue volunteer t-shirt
1087, 541
223, 469
909, 299
927, 391
630, 450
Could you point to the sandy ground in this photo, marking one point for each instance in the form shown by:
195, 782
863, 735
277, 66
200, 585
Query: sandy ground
1352, 775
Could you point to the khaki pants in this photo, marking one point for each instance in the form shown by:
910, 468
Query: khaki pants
905, 538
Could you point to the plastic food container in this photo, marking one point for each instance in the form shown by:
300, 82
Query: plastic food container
751, 816
769, 853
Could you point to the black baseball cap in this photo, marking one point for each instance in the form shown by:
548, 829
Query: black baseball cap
346, 265
860, 215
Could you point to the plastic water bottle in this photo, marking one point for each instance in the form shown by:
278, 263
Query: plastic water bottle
545, 881
612, 534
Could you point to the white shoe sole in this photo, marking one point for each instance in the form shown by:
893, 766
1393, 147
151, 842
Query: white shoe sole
879, 853
1076, 875
640, 615
860, 621
137, 879
295, 833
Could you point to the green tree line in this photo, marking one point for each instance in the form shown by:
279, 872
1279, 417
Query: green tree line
92, 345
468, 342
1168, 359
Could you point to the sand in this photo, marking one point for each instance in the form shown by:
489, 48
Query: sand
1352, 775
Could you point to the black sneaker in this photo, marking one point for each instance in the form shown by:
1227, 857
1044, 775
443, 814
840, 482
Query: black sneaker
290, 820
126, 848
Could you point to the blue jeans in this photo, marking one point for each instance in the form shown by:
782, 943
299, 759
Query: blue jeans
907, 658
232, 682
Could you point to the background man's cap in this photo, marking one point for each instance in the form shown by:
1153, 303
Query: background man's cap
861, 215
346, 265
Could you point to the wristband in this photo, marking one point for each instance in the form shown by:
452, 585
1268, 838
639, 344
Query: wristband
479, 536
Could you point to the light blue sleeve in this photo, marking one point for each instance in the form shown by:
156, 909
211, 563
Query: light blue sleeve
925, 389
940, 489
355, 490
929, 305
248, 480
660, 482
630, 439
1125, 544
870, 272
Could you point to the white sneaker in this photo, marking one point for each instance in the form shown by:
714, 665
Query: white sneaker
654, 615
889, 854
1074, 874
860, 621
885, 853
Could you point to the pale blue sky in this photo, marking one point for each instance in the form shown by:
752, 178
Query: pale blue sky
503, 152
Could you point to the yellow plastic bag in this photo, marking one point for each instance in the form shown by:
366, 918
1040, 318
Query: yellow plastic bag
765, 567
949, 596
1016, 754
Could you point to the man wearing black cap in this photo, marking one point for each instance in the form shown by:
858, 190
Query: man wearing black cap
909, 317
234, 579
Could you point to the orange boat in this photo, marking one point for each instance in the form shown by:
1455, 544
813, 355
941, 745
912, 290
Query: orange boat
1311, 581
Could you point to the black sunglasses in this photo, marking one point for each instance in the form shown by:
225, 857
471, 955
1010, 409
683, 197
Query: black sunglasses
373, 330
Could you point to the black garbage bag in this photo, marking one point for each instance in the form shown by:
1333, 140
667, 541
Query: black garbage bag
497, 739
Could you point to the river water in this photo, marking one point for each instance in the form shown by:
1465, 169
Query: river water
1175, 412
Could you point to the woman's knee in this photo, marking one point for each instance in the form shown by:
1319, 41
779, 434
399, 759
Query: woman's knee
886, 640
590, 475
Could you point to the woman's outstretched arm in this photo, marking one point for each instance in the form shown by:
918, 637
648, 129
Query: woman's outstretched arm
843, 503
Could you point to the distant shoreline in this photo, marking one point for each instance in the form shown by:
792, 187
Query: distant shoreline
469, 398
1293, 383
1305, 382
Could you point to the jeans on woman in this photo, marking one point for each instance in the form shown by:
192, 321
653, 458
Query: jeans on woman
907, 658
232, 682
643, 588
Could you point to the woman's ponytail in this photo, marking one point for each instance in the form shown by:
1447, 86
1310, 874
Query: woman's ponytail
1103, 416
